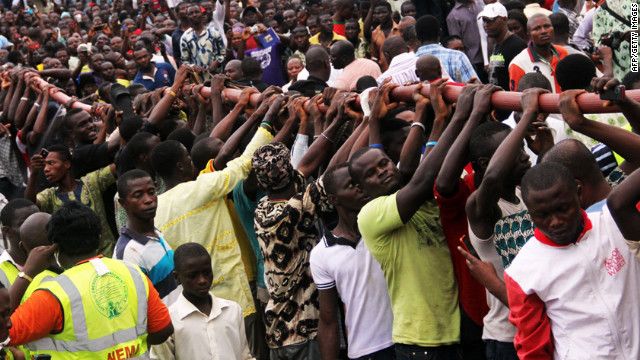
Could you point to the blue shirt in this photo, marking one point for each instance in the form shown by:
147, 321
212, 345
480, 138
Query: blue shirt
152, 254
455, 62
162, 77
246, 209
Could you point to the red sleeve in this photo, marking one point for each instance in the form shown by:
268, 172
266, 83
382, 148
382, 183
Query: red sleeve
533, 340
157, 313
38, 317
515, 73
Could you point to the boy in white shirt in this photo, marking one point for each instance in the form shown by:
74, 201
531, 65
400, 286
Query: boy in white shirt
206, 326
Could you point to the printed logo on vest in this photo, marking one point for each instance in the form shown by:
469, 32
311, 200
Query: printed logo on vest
614, 262
109, 293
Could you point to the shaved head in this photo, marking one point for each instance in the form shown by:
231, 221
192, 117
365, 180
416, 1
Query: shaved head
33, 232
406, 22
342, 54
576, 157
535, 17
394, 46
428, 68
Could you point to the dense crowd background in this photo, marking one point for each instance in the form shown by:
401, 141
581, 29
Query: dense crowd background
311, 214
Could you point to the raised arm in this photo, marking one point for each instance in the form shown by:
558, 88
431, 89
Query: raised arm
285, 134
630, 108
457, 157
223, 129
482, 206
231, 145
40, 126
17, 98
622, 203
323, 145
411, 154
217, 109
420, 188
623, 142
33, 112
159, 112
24, 105
343, 153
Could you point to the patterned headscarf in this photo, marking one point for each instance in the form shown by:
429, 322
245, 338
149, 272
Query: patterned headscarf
272, 165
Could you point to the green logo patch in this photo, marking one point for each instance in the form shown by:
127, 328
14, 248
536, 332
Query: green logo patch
109, 293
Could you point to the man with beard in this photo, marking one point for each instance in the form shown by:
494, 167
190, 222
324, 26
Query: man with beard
152, 75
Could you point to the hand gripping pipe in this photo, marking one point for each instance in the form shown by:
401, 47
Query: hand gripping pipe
589, 103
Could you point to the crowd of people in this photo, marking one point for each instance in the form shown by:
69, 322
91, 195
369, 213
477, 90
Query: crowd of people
243, 180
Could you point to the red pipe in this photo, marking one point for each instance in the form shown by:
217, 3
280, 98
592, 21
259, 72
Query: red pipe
505, 100
589, 103
62, 98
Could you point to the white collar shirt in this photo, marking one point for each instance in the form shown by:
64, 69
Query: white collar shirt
217, 336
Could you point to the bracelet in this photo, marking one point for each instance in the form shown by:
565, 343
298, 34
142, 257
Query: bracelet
21, 274
417, 124
24, 99
377, 146
431, 143
326, 137
36, 105
171, 92
265, 125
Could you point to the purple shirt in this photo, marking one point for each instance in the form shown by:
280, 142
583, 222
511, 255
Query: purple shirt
462, 21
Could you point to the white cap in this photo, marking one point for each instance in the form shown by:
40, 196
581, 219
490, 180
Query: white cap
493, 11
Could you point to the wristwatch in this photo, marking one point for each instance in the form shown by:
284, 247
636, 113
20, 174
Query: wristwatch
21, 274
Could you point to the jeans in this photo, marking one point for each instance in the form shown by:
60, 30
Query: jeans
306, 351
471, 342
498, 350
414, 352
384, 354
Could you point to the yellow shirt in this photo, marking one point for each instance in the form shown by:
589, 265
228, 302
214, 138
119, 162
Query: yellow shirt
417, 266
196, 211
315, 39
248, 257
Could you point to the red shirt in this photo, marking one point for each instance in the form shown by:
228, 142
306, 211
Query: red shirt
453, 216
339, 28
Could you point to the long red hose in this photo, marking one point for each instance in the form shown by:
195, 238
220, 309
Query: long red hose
504, 100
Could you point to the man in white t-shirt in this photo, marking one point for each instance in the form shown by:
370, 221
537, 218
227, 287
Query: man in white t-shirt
572, 288
345, 271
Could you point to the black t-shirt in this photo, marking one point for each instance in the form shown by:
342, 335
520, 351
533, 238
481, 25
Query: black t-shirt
90, 157
501, 58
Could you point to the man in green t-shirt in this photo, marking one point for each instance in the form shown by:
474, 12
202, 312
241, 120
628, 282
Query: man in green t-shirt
401, 227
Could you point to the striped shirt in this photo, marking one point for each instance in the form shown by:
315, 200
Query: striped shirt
402, 69
455, 62
152, 254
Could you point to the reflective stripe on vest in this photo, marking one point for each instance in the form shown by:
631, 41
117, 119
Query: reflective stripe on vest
83, 343
8, 273
37, 281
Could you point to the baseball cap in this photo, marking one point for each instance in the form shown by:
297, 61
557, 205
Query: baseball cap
493, 11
